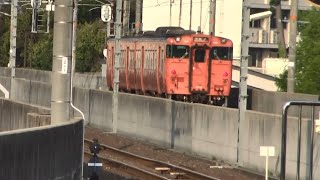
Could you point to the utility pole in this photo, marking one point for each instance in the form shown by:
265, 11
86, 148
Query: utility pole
212, 21
170, 12
13, 42
180, 13
61, 65
200, 14
116, 67
190, 15
126, 17
292, 45
243, 69
138, 26
74, 36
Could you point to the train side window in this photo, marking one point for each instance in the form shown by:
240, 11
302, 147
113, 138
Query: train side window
200, 55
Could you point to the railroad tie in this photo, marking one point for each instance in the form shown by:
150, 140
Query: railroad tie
177, 174
162, 169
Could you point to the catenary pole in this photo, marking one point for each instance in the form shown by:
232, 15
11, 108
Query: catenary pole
190, 20
292, 45
13, 43
126, 17
61, 65
243, 70
138, 26
180, 13
116, 67
212, 21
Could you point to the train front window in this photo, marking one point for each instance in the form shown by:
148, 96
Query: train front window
177, 51
200, 55
222, 53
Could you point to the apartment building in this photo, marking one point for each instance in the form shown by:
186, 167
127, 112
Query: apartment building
263, 33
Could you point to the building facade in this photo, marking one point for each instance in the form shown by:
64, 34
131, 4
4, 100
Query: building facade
263, 33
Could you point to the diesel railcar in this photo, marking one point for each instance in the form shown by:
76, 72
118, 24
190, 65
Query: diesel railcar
174, 63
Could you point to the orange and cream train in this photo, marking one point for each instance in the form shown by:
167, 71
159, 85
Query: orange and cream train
174, 63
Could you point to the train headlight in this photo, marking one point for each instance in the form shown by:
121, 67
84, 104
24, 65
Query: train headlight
178, 39
223, 40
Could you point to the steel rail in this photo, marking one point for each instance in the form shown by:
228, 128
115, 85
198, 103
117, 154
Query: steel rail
185, 170
141, 172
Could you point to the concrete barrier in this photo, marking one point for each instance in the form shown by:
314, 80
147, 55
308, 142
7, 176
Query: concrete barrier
207, 131
146, 117
34, 75
100, 114
273, 102
32, 92
14, 115
5, 72
89, 81
50, 152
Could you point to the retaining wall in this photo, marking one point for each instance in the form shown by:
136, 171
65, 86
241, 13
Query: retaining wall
50, 152
83, 80
259, 100
204, 130
273, 102
14, 115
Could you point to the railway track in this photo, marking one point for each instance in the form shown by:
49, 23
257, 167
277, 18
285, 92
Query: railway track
142, 167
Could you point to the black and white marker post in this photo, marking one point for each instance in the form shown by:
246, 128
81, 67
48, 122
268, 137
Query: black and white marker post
94, 163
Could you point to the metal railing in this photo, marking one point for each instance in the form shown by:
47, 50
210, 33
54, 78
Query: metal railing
284, 136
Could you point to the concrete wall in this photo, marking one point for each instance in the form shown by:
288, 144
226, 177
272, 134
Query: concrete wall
51, 152
273, 102
211, 132
87, 80
32, 92
204, 130
14, 115
6, 72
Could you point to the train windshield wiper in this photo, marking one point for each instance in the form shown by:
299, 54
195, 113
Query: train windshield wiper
185, 54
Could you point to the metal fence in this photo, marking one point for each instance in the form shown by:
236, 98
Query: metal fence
286, 107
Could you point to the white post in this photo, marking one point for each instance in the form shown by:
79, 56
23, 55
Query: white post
267, 151
267, 165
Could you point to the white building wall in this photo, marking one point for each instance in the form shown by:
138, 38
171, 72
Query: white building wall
157, 13
228, 17
229, 23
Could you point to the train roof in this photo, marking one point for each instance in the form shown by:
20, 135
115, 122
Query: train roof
160, 33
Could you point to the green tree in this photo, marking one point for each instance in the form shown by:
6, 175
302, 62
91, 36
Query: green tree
90, 42
281, 81
4, 49
308, 55
42, 53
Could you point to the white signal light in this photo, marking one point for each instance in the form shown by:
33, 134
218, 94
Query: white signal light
106, 13
178, 39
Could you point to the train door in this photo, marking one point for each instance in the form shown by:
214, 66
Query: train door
199, 70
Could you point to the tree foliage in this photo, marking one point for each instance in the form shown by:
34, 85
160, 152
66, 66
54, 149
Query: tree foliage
281, 81
308, 55
35, 50
42, 53
89, 47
